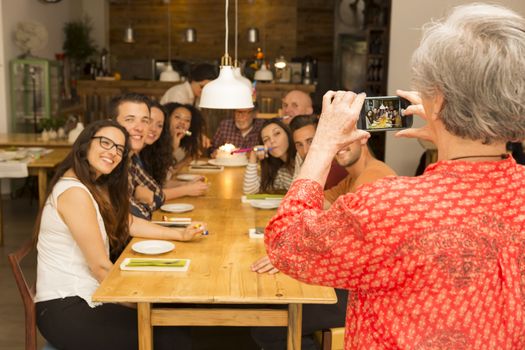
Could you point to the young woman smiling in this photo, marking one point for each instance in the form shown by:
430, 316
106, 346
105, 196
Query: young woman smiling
85, 217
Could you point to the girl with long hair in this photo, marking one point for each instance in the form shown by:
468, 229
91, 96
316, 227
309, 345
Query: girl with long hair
84, 219
187, 129
157, 157
277, 157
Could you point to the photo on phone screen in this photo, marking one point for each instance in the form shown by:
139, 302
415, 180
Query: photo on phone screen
384, 113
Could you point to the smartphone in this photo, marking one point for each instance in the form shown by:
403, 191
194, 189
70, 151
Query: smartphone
383, 113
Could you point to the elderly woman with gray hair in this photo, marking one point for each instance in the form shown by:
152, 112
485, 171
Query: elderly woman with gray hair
435, 261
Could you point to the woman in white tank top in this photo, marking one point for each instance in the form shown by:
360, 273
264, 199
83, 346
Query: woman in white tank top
84, 218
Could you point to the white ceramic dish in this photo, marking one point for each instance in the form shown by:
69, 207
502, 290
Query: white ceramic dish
265, 203
153, 247
198, 162
188, 177
240, 162
153, 264
177, 207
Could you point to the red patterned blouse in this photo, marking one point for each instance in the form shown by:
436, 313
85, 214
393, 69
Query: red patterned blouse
431, 262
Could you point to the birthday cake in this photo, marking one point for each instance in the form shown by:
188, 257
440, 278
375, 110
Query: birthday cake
224, 156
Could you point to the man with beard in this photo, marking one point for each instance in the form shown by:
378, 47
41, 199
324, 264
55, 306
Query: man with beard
362, 168
242, 131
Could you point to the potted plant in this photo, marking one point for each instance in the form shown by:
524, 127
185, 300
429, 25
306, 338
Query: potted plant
78, 44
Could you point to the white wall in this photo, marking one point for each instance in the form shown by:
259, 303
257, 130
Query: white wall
407, 17
52, 16
98, 12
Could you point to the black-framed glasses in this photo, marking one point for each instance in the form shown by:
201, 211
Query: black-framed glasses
108, 144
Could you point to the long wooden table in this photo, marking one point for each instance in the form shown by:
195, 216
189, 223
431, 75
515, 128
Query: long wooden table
219, 273
31, 140
40, 168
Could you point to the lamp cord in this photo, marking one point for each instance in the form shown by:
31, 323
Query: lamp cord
236, 29
226, 22
169, 33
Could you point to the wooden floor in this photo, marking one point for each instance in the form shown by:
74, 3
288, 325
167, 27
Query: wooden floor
19, 215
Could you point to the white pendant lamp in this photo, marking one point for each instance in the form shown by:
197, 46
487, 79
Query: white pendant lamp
129, 38
263, 74
226, 92
169, 74
238, 75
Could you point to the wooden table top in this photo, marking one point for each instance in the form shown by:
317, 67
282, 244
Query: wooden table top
219, 272
31, 140
49, 160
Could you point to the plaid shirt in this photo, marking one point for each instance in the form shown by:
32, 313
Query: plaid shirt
139, 177
228, 133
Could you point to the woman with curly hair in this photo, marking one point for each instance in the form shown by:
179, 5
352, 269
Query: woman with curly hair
277, 156
157, 157
187, 130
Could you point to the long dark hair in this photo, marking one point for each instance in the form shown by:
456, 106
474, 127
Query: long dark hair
191, 144
270, 165
158, 157
110, 191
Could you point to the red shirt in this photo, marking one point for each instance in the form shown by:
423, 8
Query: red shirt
431, 262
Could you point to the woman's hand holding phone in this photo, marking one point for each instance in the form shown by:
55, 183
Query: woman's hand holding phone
416, 107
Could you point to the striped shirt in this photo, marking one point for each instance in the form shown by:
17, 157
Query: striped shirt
252, 180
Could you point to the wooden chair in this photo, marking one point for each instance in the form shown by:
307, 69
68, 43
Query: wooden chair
27, 292
331, 339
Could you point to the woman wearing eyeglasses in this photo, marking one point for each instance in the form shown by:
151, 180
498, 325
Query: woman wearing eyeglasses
84, 218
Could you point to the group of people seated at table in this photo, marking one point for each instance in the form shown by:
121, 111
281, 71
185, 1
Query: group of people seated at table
374, 234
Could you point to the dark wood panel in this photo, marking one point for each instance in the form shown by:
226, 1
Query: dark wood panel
292, 28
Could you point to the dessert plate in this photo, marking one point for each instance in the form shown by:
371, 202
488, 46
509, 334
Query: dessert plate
177, 207
265, 203
188, 177
153, 247
233, 163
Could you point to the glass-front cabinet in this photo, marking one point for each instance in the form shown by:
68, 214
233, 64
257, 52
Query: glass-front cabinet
35, 92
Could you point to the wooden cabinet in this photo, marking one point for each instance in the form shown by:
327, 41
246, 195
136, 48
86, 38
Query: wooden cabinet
95, 95
35, 92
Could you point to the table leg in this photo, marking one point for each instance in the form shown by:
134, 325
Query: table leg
144, 326
42, 186
295, 319
1, 218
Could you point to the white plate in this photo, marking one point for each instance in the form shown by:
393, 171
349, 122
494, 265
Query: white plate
240, 162
153, 247
265, 203
188, 177
177, 207
198, 162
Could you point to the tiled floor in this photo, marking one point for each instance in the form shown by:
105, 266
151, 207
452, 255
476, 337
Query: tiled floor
19, 216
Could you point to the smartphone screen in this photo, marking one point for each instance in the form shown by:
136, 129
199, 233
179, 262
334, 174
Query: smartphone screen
384, 113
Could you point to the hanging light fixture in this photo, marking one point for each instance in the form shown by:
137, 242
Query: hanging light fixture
128, 33
280, 63
253, 35
236, 68
190, 35
169, 74
226, 92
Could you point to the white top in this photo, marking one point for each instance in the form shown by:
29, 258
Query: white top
62, 270
180, 93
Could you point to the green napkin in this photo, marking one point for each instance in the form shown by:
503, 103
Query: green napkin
155, 262
264, 196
